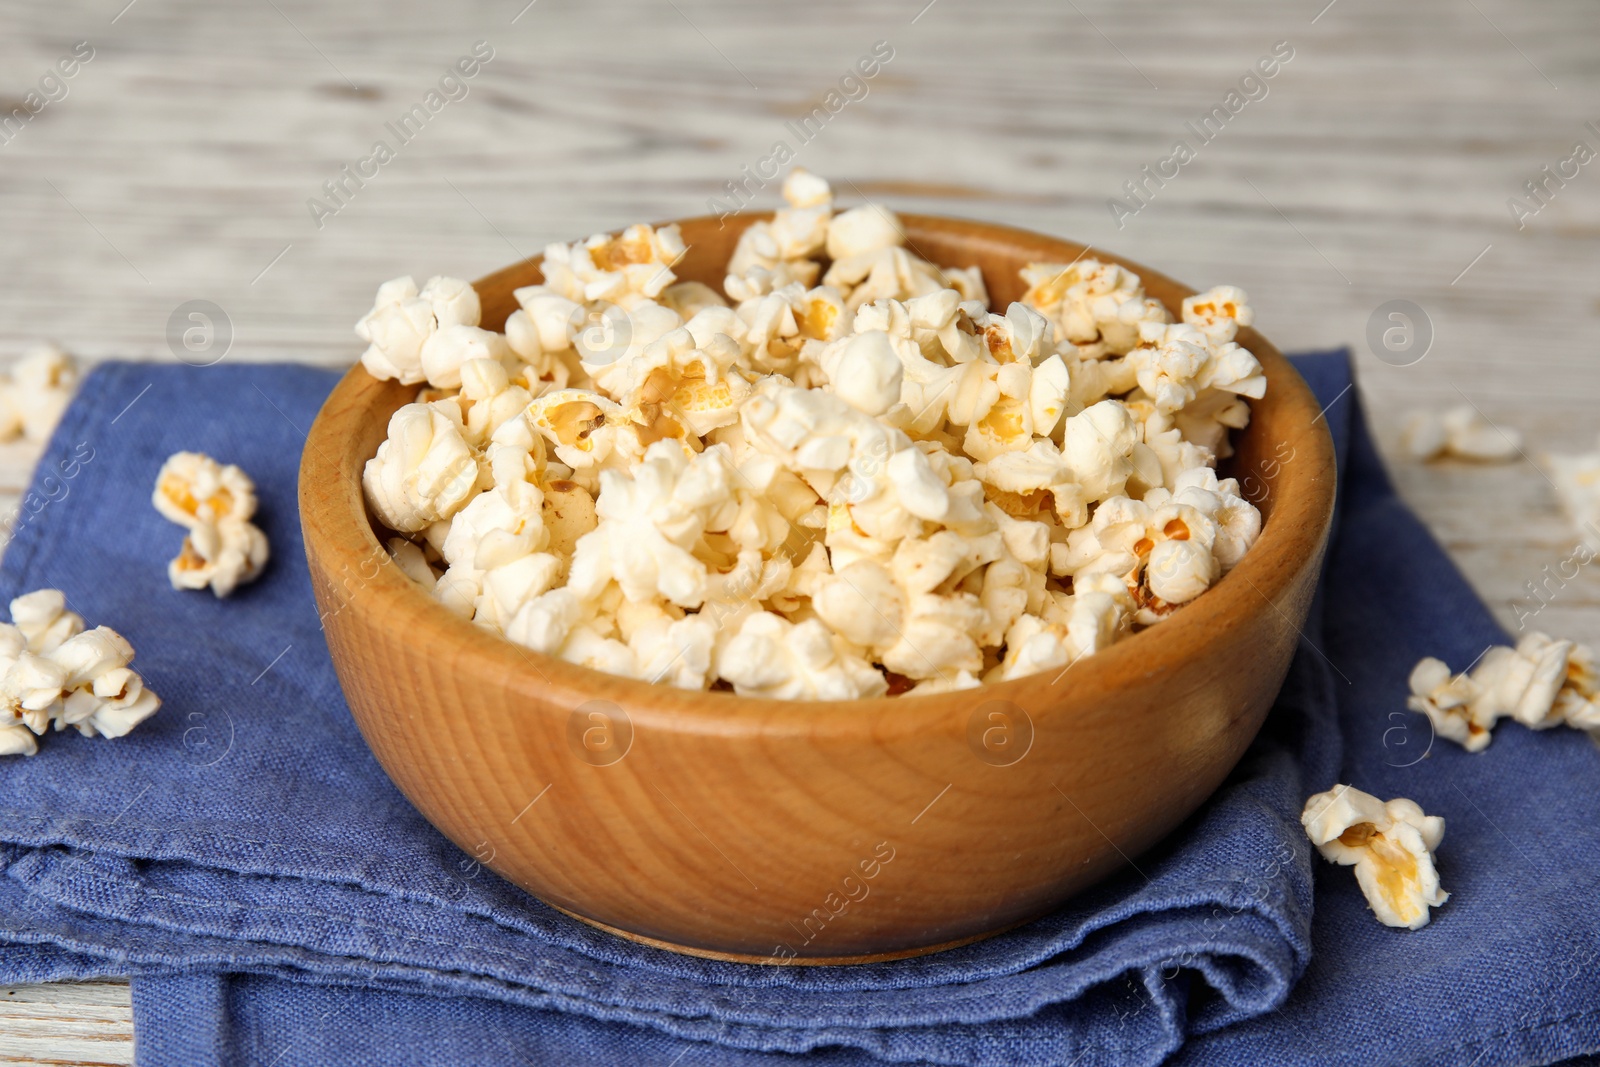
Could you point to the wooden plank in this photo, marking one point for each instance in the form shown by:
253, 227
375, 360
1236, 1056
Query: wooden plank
85, 1024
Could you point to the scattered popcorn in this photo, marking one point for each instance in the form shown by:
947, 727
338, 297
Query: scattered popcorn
53, 672
1390, 845
193, 489
34, 391
1541, 683
1452, 704
223, 548
812, 485
1460, 433
17, 740
43, 620
1577, 482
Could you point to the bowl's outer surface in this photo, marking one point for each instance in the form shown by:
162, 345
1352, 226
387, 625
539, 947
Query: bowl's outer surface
754, 829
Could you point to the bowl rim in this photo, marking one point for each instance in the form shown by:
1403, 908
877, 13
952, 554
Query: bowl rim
334, 516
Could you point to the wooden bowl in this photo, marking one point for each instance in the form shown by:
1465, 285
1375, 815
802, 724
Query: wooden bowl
807, 832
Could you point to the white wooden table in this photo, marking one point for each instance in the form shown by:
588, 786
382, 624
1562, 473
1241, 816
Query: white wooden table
1378, 167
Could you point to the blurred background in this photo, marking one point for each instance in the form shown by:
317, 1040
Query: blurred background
190, 154
186, 158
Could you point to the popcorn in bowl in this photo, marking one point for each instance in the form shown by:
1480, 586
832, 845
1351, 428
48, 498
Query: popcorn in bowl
849, 477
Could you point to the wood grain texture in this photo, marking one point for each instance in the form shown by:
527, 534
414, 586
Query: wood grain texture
740, 827
81, 1024
1391, 142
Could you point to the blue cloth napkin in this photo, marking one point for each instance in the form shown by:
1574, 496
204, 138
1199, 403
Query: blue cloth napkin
277, 901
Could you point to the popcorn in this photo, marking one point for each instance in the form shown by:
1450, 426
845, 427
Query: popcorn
490, 399
677, 652
1168, 371
17, 740
862, 604
1029, 403
450, 347
779, 251
1391, 846
1101, 446
588, 648
1460, 433
864, 230
768, 331
100, 694
1010, 588
581, 425
943, 325
543, 322
1541, 683
938, 638
688, 299
877, 483
1170, 546
55, 673
1522, 682
886, 274
1577, 702
1577, 482
1172, 450
424, 471
1032, 646
763, 281
1084, 623
649, 521
500, 523
223, 548
1218, 313
772, 657
1178, 366
411, 560
35, 391
867, 373
677, 387
894, 612
1236, 520
1039, 477
403, 320
822, 315
192, 489
1179, 571
221, 556
43, 620
567, 513
611, 341
863, 483
516, 581
31, 689
870, 262
623, 270
1092, 302
545, 622
1207, 420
